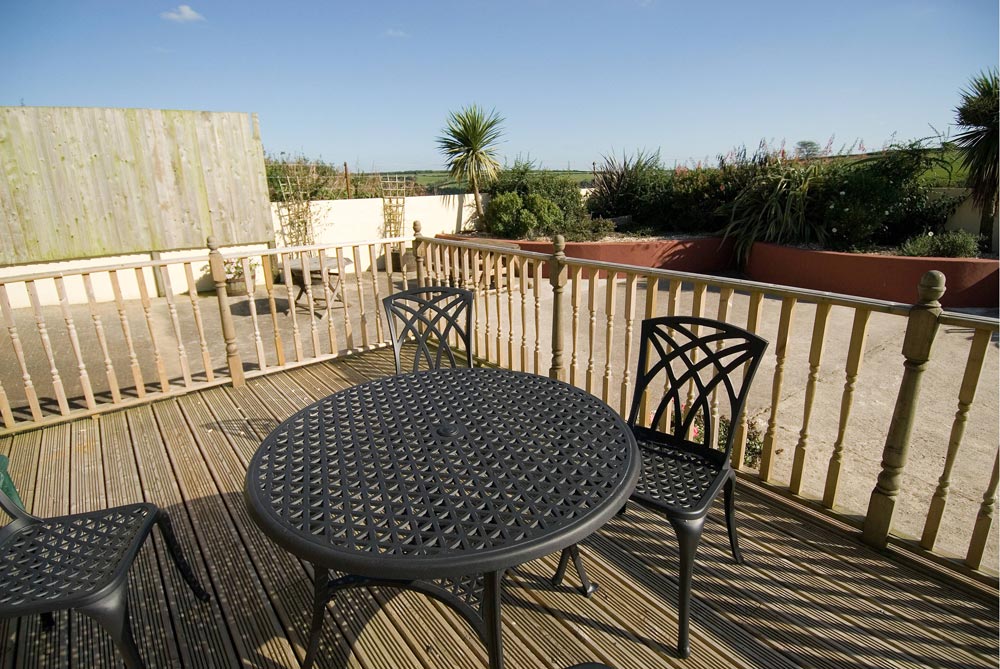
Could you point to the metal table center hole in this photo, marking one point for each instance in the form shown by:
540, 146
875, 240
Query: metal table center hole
448, 430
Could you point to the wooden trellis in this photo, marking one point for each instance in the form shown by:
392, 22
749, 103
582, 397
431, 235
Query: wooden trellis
393, 204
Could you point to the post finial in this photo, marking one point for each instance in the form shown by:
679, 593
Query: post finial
931, 287
416, 228
213, 243
559, 242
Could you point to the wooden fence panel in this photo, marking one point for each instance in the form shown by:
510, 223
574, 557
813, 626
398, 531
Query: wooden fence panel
88, 182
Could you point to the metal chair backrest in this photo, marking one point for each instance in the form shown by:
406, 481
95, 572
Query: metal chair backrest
695, 360
433, 318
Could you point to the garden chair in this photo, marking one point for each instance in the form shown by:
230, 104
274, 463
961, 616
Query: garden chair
80, 561
686, 452
430, 318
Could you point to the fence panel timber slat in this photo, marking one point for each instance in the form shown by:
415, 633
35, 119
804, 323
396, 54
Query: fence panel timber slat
78, 180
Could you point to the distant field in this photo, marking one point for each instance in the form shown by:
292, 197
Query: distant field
440, 181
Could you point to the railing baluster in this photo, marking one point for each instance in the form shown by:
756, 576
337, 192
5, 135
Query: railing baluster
740, 439
15, 341
43, 335
355, 253
329, 296
168, 296
592, 327
610, 295
348, 331
147, 310
511, 273
815, 360
722, 315
630, 280
286, 269
498, 283
780, 352
966, 395
140, 386
74, 340
522, 267
698, 311
574, 359
252, 303
206, 358
855, 354
5, 413
652, 294
376, 292
537, 266
488, 325
305, 260
984, 520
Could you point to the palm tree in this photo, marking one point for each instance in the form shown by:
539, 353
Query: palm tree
979, 116
469, 143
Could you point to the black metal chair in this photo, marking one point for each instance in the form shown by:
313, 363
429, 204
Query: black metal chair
687, 464
80, 561
429, 317
683, 472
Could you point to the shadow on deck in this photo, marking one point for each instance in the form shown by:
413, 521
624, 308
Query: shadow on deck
807, 595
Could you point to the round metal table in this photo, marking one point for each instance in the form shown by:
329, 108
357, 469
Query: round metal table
438, 481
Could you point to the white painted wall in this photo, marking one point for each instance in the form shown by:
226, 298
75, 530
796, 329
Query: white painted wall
337, 222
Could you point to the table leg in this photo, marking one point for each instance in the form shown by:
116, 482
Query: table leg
321, 579
491, 616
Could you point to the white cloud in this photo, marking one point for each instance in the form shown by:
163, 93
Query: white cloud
393, 32
183, 14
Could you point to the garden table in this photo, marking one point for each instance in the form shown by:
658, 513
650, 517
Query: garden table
438, 481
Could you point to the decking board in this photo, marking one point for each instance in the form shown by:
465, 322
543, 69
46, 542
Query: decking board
807, 596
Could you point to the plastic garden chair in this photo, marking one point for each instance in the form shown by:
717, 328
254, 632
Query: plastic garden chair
432, 318
686, 460
80, 561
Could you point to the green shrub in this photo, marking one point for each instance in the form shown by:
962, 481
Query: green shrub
525, 180
503, 216
777, 206
624, 188
951, 244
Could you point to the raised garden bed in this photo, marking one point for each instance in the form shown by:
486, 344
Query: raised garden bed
971, 282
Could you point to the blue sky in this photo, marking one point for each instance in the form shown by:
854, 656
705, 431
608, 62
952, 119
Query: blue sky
373, 83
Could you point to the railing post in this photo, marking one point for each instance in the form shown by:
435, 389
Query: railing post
228, 330
418, 253
921, 328
557, 277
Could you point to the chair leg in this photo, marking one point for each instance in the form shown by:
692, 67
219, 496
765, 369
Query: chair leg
48, 621
688, 536
734, 543
111, 613
174, 549
586, 587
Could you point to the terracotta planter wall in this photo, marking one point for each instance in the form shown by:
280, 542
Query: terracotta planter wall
702, 255
969, 282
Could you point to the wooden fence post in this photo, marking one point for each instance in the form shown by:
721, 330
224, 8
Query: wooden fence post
228, 330
418, 253
921, 329
557, 277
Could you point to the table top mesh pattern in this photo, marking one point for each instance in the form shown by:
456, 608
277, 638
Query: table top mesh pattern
441, 462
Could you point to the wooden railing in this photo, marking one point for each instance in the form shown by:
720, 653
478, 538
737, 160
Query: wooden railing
152, 334
578, 320
830, 397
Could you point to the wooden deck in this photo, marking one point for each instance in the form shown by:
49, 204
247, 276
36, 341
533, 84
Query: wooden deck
807, 596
